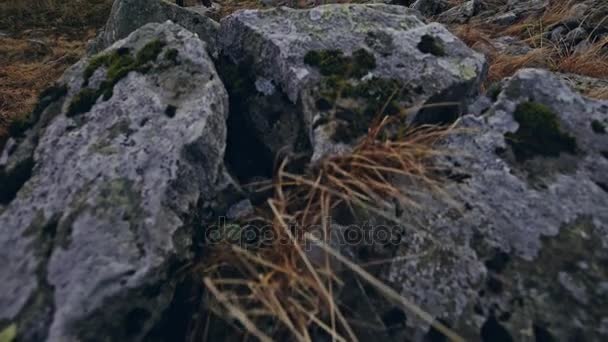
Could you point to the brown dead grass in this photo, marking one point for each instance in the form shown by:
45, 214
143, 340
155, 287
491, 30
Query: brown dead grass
28, 66
592, 61
278, 288
42, 38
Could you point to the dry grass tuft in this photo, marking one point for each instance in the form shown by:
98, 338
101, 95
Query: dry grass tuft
280, 288
591, 61
600, 93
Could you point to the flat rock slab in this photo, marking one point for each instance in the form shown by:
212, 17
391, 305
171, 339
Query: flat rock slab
359, 57
121, 156
525, 253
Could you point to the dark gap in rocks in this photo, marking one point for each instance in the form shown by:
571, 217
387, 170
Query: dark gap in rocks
170, 111
602, 186
493, 331
12, 181
498, 262
604, 154
402, 2
541, 334
505, 316
246, 156
443, 108
598, 127
494, 284
263, 128
432, 45
135, 321
434, 335
394, 317
178, 321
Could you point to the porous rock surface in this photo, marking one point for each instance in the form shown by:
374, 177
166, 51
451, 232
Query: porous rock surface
524, 253
373, 52
90, 242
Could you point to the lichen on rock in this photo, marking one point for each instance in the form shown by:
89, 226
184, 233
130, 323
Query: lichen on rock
101, 196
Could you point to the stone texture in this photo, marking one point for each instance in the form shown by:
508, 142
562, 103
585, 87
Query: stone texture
129, 15
521, 250
422, 63
91, 240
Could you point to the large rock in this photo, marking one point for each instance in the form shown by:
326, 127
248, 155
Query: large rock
129, 15
105, 187
365, 59
525, 254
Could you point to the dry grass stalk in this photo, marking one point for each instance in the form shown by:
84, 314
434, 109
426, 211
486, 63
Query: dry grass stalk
592, 61
277, 285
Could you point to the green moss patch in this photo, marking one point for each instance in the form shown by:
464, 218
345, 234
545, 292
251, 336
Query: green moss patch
119, 64
334, 62
83, 102
539, 133
368, 99
9, 333
356, 102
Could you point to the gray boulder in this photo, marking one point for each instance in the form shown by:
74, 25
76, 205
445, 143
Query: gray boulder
129, 15
520, 247
366, 59
105, 186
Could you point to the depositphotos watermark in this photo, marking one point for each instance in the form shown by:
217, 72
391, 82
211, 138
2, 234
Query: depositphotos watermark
252, 234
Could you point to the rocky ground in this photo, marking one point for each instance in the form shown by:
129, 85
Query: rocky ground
422, 170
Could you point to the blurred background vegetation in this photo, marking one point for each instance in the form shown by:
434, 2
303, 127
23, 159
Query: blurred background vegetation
39, 39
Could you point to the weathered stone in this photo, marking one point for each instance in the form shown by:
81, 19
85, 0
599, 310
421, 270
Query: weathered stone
129, 15
521, 250
336, 67
90, 241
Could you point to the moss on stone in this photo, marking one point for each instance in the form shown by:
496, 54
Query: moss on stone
432, 45
329, 62
357, 102
149, 52
119, 64
539, 133
494, 90
83, 102
598, 127
334, 62
171, 55
9, 333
